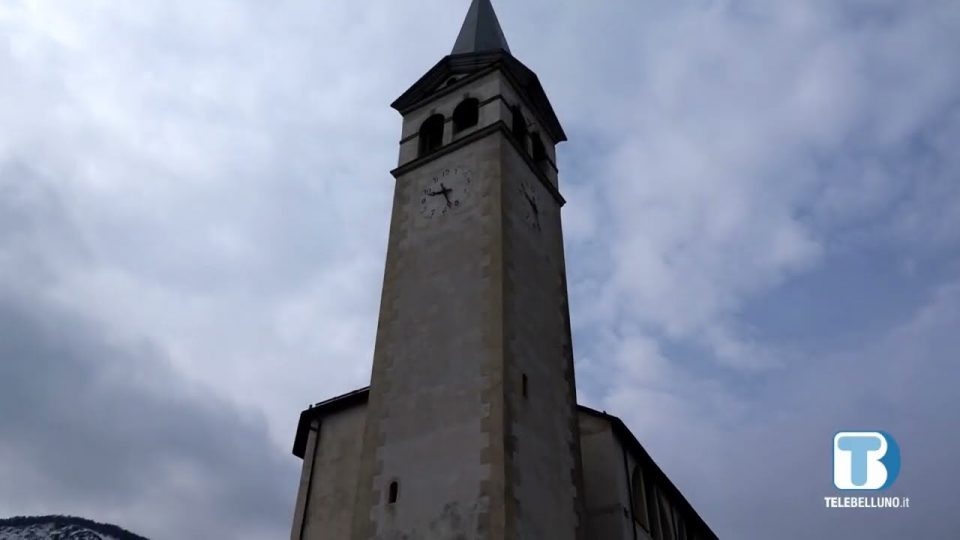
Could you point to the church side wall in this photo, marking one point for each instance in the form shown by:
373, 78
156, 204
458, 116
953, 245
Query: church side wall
330, 467
604, 480
627, 496
630, 498
306, 475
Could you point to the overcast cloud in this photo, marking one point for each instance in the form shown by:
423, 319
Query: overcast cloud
763, 240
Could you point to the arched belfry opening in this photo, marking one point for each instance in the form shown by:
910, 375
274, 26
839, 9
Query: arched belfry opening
466, 115
519, 126
537, 150
431, 134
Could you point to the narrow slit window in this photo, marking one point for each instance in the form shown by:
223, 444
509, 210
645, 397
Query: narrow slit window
524, 385
393, 492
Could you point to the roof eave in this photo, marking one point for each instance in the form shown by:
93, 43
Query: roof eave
523, 77
324, 408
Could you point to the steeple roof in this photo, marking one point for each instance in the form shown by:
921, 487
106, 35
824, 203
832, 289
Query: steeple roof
481, 31
481, 48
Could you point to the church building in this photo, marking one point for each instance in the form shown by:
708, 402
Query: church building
470, 428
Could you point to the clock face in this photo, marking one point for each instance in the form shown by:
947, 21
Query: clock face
530, 208
446, 192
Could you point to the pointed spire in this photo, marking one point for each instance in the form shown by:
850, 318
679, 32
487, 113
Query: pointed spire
481, 31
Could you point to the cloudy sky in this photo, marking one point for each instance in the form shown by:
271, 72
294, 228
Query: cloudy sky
763, 240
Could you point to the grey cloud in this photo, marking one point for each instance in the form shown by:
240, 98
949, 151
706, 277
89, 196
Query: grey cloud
754, 140
105, 425
757, 464
227, 171
96, 424
191, 191
745, 153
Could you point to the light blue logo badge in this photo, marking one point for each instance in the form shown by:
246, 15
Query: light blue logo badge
865, 460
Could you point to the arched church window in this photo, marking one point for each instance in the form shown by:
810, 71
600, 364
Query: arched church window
639, 499
651, 494
681, 525
519, 126
466, 115
667, 528
393, 492
431, 134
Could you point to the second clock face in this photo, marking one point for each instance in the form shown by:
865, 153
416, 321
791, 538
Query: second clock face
530, 210
445, 192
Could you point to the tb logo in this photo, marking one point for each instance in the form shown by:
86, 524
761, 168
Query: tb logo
865, 460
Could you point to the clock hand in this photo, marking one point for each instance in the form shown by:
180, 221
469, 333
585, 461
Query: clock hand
446, 193
533, 203
533, 207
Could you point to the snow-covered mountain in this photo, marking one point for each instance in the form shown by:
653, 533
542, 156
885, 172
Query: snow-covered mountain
61, 528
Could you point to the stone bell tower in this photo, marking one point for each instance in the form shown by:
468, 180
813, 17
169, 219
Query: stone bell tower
470, 429
471, 425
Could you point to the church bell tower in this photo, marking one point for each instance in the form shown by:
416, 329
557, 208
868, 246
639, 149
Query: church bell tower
470, 423
471, 427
